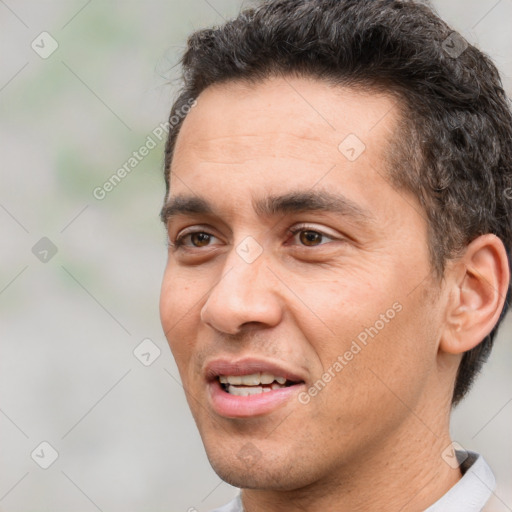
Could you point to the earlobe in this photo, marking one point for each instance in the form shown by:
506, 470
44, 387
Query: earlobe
480, 280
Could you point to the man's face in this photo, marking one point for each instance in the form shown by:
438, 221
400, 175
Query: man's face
297, 254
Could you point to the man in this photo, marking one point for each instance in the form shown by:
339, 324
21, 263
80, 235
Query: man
339, 227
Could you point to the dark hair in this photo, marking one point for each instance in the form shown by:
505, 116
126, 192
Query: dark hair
455, 114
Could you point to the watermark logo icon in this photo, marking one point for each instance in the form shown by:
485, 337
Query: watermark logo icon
44, 250
249, 454
454, 45
249, 249
351, 147
147, 352
44, 45
454, 455
44, 455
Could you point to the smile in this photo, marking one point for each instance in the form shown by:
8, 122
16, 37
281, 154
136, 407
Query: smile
253, 384
239, 390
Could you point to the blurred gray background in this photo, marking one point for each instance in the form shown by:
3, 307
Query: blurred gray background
82, 86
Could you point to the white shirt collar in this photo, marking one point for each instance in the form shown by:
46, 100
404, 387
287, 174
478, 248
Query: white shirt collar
472, 491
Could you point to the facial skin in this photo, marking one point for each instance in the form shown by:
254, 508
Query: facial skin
372, 438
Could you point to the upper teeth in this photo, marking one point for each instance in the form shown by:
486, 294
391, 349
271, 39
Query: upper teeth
254, 379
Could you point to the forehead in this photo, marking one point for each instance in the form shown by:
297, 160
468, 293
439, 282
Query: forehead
282, 134
287, 117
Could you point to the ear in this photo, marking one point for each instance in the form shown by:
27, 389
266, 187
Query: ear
478, 285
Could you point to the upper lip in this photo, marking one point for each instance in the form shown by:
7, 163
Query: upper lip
248, 366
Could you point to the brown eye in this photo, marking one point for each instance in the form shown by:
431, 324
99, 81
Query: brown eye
200, 239
310, 238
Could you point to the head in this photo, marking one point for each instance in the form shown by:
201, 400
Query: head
338, 207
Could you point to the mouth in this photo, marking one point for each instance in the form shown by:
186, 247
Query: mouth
253, 384
250, 388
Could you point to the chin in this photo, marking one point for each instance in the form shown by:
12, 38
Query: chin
245, 479
262, 479
249, 470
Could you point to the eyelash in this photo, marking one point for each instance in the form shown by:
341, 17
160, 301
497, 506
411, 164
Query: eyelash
295, 231
180, 240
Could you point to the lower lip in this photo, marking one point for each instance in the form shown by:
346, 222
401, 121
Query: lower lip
233, 406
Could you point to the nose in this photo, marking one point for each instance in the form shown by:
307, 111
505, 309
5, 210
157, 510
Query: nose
245, 294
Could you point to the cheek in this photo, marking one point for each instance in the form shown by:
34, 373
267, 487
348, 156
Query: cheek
372, 342
342, 308
386, 370
349, 300
179, 312
180, 291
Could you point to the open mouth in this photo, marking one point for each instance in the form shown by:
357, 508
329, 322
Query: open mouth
253, 384
250, 387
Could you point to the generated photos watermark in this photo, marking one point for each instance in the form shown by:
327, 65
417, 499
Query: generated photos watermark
151, 142
361, 341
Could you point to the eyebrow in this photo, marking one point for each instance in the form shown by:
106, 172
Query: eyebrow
274, 205
304, 201
185, 205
